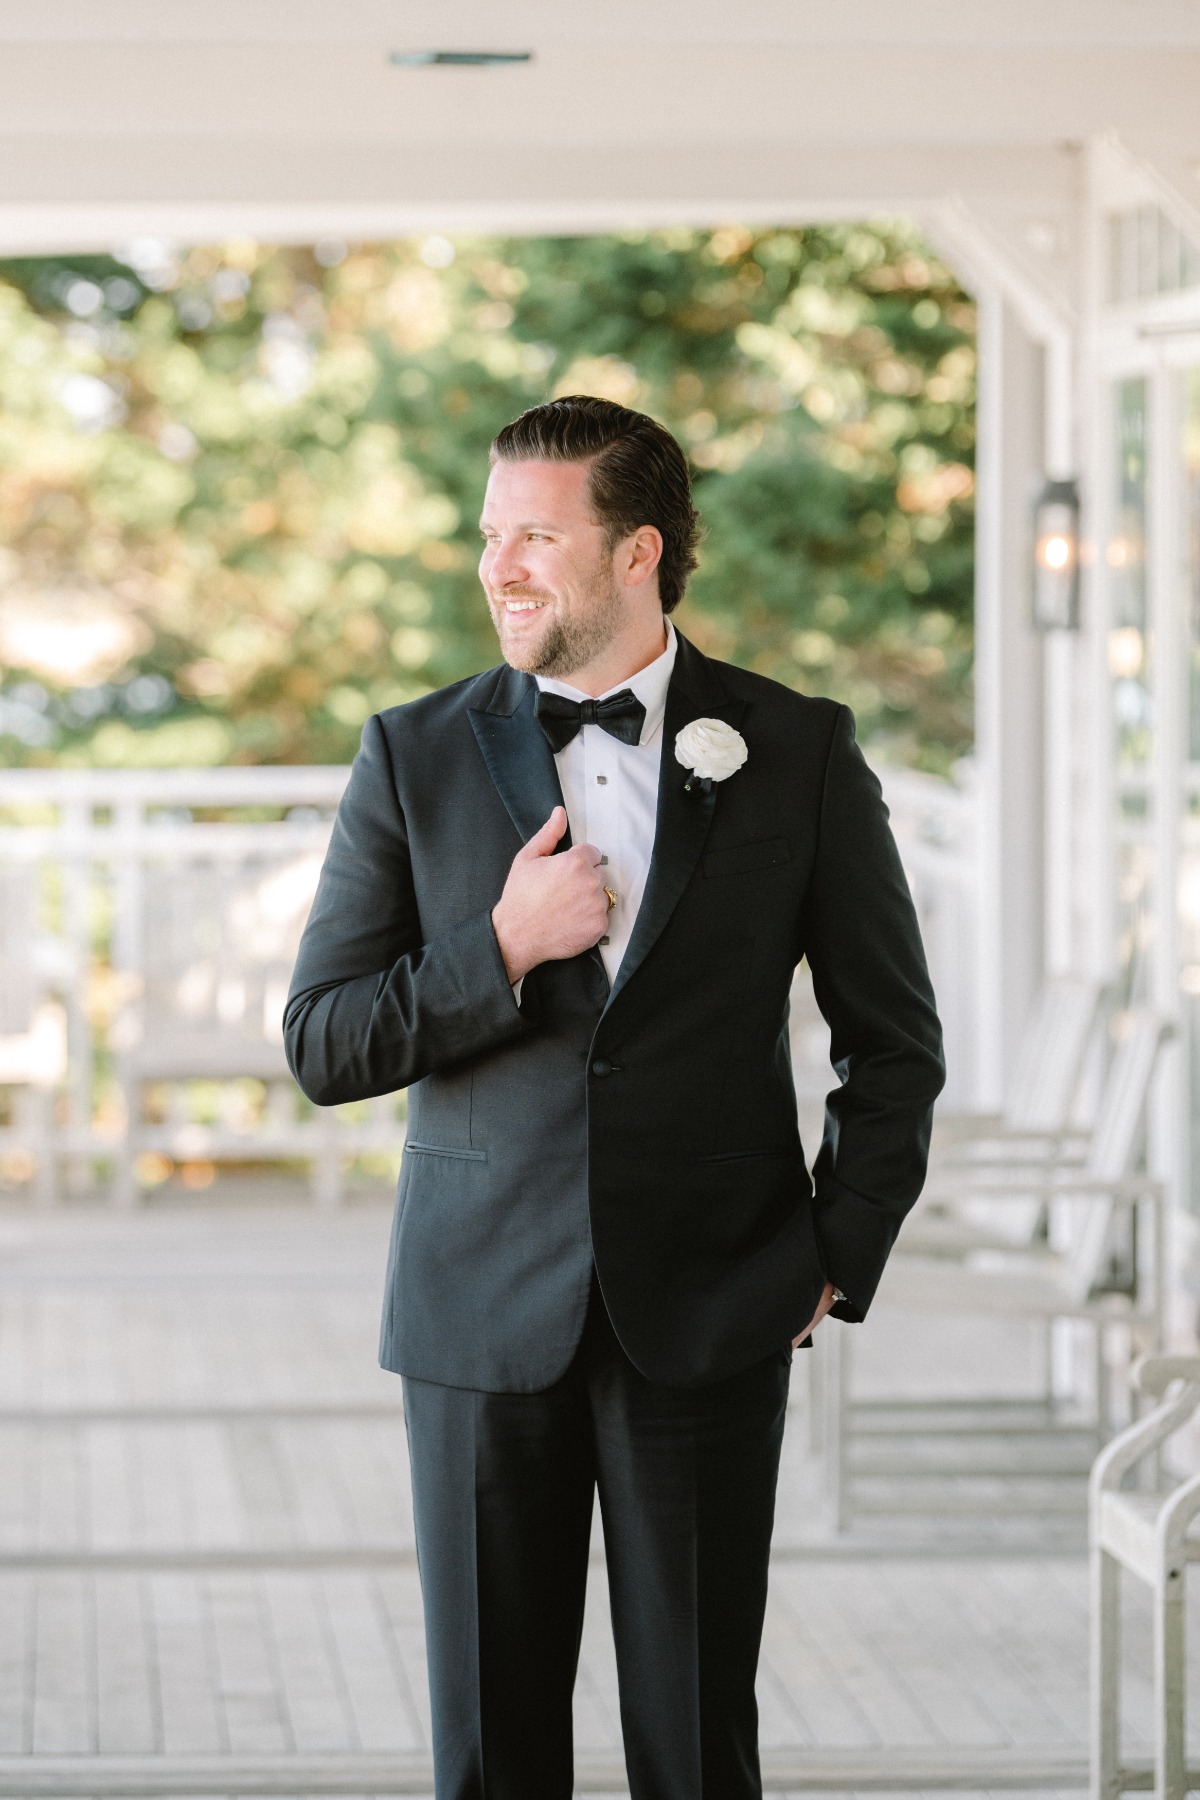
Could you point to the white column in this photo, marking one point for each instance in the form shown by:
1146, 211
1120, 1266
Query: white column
1058, 699
1009, 688
1095, 818
989, 707
1167, 602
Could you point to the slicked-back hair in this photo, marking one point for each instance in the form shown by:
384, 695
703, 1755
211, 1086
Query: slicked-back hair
637, 474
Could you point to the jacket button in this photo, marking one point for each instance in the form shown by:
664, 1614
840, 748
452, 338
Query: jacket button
602, 1066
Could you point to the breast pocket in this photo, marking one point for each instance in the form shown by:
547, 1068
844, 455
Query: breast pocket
744, 859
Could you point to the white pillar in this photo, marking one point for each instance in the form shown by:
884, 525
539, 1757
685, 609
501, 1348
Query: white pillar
1009, 692
1060, 451
989, 704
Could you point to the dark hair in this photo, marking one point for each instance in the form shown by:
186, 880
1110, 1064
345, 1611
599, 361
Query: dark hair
638, 474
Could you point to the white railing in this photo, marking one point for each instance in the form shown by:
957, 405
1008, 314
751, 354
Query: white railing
148, 925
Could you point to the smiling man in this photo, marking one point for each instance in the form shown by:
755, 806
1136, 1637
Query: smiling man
563, 904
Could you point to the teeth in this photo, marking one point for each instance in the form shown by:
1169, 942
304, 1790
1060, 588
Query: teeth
524, 605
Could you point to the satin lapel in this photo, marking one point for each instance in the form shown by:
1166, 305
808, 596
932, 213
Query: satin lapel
518, 758
683, 818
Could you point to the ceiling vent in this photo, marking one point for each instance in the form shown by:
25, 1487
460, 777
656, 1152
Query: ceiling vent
459, 59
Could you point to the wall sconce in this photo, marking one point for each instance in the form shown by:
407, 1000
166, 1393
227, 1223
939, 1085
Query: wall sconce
1056, 557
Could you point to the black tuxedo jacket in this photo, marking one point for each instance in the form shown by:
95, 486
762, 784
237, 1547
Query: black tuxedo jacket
650, 1128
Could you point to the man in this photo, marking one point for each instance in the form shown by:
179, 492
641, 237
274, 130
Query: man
563, 902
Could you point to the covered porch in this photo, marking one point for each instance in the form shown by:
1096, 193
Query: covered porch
207, 1563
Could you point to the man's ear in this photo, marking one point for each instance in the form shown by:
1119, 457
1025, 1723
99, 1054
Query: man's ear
640, 554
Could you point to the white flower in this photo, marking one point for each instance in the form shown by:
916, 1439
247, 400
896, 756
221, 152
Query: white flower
711, 749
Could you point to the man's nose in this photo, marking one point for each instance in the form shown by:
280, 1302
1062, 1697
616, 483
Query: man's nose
508, 566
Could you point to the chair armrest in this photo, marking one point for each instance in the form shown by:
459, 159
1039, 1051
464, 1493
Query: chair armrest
1016, 1134
1006, 1140
1118, 1187
1154, 1374
1032, 1155
961, 1127
1142, 1438
1176, 1516
1076, 1186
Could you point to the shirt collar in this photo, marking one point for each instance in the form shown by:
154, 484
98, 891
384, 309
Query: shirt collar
649, 684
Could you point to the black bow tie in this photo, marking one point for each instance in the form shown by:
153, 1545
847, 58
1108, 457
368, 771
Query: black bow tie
622, 715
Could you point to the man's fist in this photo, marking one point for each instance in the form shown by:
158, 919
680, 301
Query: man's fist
552, 906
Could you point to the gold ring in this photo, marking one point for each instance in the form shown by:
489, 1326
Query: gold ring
612, 898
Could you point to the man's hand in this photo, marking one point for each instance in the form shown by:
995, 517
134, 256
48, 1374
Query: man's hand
552, 906
823, 1306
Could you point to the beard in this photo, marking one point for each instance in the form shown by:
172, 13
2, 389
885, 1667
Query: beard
567, 643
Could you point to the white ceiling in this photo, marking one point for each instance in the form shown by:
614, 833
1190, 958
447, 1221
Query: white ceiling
1165, 23
286, 118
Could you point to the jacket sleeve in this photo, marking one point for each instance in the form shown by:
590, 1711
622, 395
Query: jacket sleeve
372, 1006
871, 983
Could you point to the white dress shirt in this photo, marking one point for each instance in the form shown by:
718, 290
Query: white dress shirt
610, 791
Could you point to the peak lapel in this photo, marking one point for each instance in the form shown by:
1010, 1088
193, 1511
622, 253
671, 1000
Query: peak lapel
517, 755
683, 818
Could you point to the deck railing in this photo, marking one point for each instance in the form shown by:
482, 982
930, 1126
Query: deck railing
148, 925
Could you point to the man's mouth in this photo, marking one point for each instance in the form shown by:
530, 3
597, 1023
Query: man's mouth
520, 606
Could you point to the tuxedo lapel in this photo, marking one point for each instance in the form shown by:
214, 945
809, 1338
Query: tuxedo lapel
518, 758
683, 817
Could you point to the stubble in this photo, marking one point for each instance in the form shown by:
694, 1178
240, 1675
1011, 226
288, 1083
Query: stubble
570, 641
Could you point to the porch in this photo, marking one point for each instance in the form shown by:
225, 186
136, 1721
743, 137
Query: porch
213, 1595
207, 1576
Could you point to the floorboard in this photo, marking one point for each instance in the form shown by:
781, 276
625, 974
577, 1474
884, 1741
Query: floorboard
207, 1571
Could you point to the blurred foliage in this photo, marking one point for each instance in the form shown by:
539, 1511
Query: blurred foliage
239, 486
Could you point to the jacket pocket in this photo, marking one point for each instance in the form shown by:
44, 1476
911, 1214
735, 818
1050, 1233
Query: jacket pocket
444, 1150
724, 1156
743, 859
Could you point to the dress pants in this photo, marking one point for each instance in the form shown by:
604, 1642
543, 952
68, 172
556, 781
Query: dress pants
502, 1490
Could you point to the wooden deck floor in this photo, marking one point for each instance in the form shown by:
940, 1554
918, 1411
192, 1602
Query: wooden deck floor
207, 1580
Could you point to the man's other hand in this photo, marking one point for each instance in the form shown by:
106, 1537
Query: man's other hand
823, 1306
552, 906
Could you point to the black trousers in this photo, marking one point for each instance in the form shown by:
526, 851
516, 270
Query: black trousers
503, 1488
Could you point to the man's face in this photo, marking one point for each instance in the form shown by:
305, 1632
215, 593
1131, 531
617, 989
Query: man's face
547, 568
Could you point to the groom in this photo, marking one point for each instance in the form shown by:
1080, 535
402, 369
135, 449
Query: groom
563, 904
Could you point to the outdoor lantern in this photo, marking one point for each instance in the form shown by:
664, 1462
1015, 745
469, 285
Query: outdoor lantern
1056, 557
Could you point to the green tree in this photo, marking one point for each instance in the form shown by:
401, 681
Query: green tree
239, 485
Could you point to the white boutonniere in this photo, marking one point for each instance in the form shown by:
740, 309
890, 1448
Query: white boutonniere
712, 750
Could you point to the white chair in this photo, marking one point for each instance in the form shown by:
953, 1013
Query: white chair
1070, 1277
1038, 1128
1045, 1075
206, 942
1150, 1535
